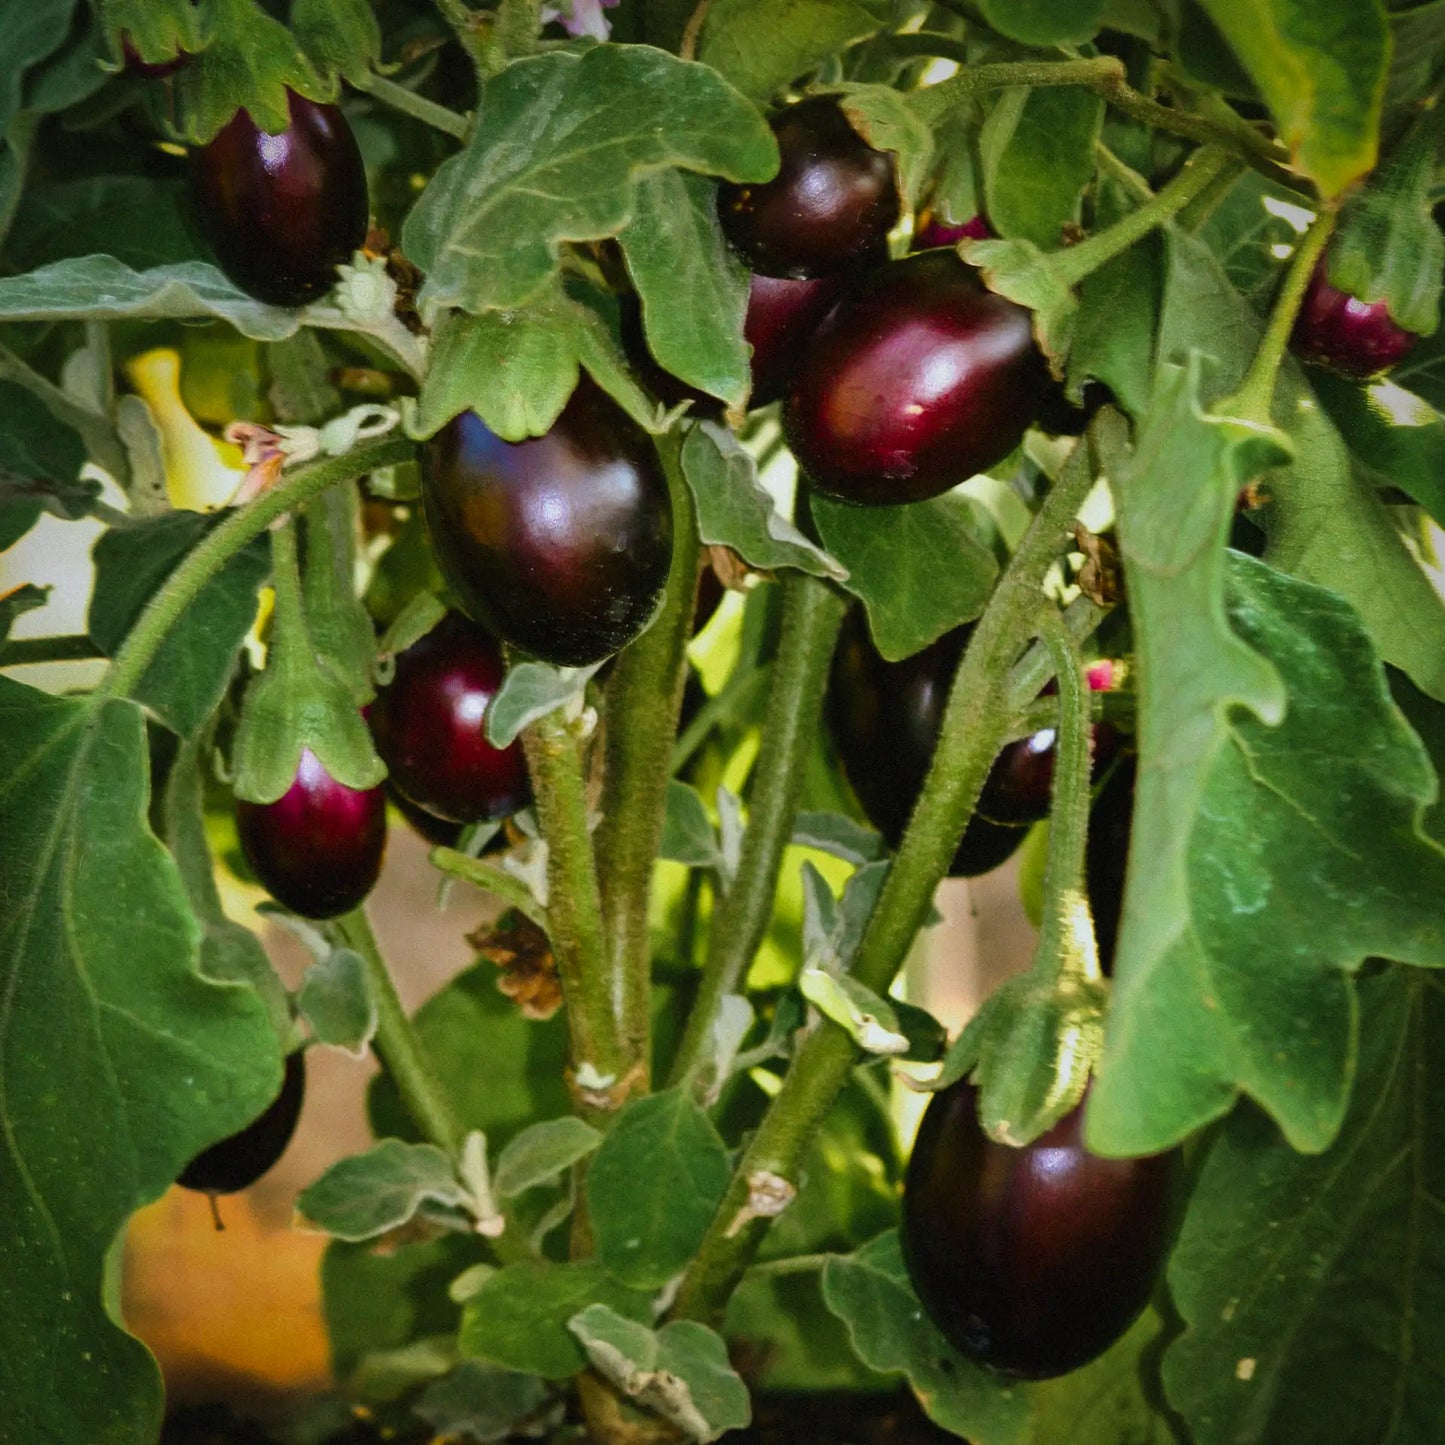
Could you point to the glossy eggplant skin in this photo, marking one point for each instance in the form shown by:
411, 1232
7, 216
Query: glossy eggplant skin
241, 1159
1032, 1261
884, 718
429, 721
1106, 857
833, 200
1357, 338
282, 212
560, 544
935, 231
318, 848
914, 385
782, 314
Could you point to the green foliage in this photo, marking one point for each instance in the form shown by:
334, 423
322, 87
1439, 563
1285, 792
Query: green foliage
334, 1000
341, 38
367, 1194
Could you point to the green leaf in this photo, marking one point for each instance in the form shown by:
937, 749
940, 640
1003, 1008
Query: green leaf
1118, 314
734, 511
1044, 22
869, 1291
340, 38
559, 143
1313, 1288
541, 1153
531, 690
693, 288
518, 1318
1427, 717
761, 45
28, 34
1321, 70
516, 368
335, 1001
687, 831
17, 602
367, 1194
526, 1059
157, 29
1243, 235
885, 119
188, 675
1266, 837
340, 628
250, 61
680, 1372
1416, 54
115, 1074
139, 220
841, 836
653, 1187
1030, 277
1038, 155
867, 1017
947, 581
477, 1401
40, 462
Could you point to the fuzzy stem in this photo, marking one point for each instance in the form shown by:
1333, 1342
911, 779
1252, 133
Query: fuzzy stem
216, 548
935, 102
812, 614
974, 724
397, 1045
609, 1072
289, 633
408, 102
1254, 401
644, 699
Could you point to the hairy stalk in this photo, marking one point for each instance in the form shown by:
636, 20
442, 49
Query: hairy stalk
408, 102
1254, 401
397, 1044
812, 614
974, 725
216, 548
644, 699
603, 1072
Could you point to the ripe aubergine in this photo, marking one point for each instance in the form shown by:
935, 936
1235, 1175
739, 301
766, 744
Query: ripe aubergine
560, 544
318, 847
884, 718
281, 212
913, 385
429, 725
781, 315
833, 200
241, 1159
1356, 338
1032, 1261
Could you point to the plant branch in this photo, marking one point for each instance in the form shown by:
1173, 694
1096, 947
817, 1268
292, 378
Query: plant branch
603, 1073
812, 614
974, 724
408, 102
1254, 401
644, 699
935, 102
738, 693
21, 651
487, 876
397, 1044
216, 548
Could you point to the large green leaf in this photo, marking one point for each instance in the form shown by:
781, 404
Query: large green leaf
1038, 155
653, 1187
120, 1062
1044, 22
694, 289
140, 221
40, 458
1320, 66
156, 29
194, 663
1313, 1288
28, 33
760, 45
559, 144
1266, 862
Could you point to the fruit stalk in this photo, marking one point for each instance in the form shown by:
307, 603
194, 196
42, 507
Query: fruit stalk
408, 102
644, 699
397, 1045
603, 1073
216, 548
812, 614
978, 714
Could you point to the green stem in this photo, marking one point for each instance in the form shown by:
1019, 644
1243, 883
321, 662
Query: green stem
603, 1073
216, 548
101, 442
935, 102
1202, 169
974, 724
644, 698
491, 879
397, 1044
1254, 401
289, 632
474, 31
20, 651
739, 693
408, 102
1059, 944
812, 614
